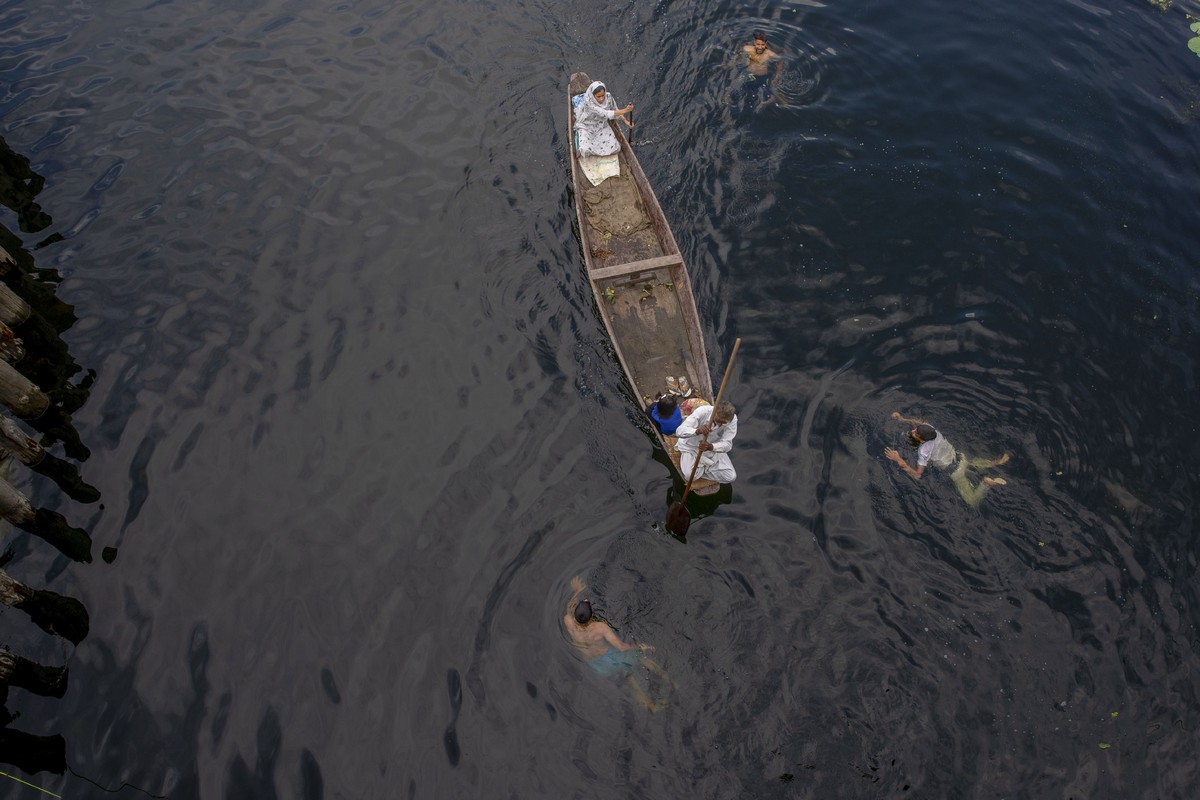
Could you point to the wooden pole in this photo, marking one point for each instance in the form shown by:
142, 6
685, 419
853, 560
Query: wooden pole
13, 310
13, 593
13, 440
19, 393
12, 349
48, 525
14, 506
50, 611
46, 681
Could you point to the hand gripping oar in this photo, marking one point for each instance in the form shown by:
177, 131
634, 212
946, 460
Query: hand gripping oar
678, 518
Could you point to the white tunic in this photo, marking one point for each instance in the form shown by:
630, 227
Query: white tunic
936, 451
593, 135
714, 464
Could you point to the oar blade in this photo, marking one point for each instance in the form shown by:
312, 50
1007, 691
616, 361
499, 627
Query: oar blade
678, 519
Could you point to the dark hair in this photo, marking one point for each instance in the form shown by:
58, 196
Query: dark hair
583, 612
762, 37
667, 405
926, 432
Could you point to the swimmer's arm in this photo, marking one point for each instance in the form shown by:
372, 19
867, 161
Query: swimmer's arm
915, 474
899, 418
611, 637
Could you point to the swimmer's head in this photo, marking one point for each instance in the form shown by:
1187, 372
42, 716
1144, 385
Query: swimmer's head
760, 41
583, 612
921, 434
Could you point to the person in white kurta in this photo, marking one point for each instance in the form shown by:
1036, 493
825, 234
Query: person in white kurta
721, 425
593, 135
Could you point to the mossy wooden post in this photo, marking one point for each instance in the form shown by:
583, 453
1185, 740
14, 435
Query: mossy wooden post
13, 310
20, 395
13, 440
13, 593
48, 525
50, 611
14, 506
24, 674
12, 349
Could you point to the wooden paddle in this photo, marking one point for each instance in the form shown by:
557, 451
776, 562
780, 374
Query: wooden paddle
678, 518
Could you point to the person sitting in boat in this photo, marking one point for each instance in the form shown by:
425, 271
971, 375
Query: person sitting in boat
666, 414
593, 135
720, 423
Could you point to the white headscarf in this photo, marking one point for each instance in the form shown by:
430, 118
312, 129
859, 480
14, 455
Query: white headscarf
608, 104
594, 136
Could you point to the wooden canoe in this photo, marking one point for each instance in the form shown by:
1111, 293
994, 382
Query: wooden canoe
639, 280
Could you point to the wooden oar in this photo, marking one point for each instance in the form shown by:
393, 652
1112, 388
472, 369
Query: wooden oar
678, 518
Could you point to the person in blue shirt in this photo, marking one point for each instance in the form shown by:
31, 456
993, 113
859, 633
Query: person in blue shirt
665, 414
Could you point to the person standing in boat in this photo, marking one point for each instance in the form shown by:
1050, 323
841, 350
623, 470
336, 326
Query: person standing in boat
593, 135
933, 448
720, 423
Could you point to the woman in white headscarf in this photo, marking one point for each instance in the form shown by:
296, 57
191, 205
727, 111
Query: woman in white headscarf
593, 135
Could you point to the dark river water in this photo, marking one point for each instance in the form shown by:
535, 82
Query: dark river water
356, 423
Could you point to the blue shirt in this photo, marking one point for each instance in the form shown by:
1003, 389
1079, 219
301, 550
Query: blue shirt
668, 425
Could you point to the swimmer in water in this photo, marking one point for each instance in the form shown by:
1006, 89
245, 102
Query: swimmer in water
758, 60
933, 448
605, 652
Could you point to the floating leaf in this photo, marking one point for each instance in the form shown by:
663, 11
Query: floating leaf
1105, 745
1114, 713
1041, 544
1194, 45
1195, 26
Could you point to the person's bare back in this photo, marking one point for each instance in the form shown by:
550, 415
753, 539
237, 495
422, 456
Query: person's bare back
593, 639
604, 650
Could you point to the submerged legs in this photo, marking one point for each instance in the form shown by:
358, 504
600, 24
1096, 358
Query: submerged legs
652, 705
973, 494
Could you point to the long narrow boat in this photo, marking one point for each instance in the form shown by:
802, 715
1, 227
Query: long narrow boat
639, 280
